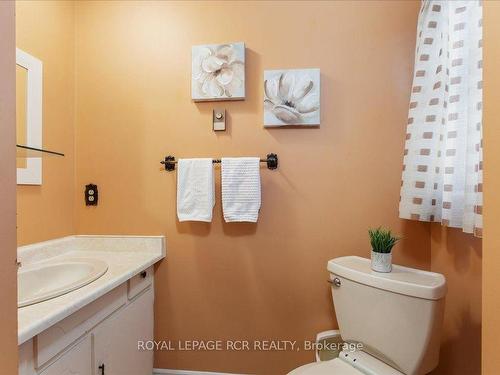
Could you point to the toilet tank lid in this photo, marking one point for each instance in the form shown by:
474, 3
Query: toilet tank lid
402, 280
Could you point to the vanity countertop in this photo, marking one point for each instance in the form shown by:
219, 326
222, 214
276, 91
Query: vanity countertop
126, 256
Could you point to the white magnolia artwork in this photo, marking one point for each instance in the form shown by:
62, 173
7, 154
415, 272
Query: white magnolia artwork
291, 97
218, 72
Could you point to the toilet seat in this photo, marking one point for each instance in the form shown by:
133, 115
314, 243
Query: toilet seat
334, 367
348, 363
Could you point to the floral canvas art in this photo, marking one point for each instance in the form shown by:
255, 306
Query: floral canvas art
218, 72
292, 97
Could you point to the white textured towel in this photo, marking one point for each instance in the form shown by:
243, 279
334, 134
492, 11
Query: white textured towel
240, 189
195, 189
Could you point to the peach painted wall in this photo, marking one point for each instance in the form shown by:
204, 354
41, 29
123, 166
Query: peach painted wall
45, 29
458, 256
8, 269
491, 264
245, 281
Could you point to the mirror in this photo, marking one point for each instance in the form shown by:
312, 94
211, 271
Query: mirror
28, 116
21, 96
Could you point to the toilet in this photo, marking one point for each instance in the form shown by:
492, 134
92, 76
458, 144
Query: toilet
394, 318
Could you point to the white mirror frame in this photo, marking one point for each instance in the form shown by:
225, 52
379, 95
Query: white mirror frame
32, 174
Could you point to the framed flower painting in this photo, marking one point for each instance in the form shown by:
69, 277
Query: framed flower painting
292, 97
218, 72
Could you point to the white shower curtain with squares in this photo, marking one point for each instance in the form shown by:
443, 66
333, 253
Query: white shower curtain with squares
442, 167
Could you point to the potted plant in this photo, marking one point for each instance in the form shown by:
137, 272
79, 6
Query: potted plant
382, 241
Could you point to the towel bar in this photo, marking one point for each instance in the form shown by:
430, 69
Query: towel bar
271, 160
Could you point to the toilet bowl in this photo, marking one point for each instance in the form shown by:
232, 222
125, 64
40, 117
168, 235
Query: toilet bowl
395, 318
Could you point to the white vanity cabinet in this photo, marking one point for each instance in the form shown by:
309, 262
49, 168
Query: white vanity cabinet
115, 340
100, 338
75, 361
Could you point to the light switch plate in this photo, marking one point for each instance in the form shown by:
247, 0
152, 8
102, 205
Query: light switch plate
219, 120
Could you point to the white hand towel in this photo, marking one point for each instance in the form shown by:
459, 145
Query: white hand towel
195, 190
240, 189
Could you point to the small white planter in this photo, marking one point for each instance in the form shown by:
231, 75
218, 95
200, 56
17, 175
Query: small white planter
381, 262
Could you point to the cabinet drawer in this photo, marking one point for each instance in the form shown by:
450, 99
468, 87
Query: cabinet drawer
140, 282
58, 337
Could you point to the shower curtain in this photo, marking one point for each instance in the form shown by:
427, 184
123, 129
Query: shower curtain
442, 167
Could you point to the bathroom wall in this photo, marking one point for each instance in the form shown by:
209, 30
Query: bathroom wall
45, 29
458, 256
246, 281
491, 264
8, 269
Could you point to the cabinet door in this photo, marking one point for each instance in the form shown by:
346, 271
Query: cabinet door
76, 361
115, 341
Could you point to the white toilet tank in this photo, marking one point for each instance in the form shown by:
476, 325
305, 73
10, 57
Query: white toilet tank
396, 316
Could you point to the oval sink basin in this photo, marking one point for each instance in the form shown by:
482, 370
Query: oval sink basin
37, 283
